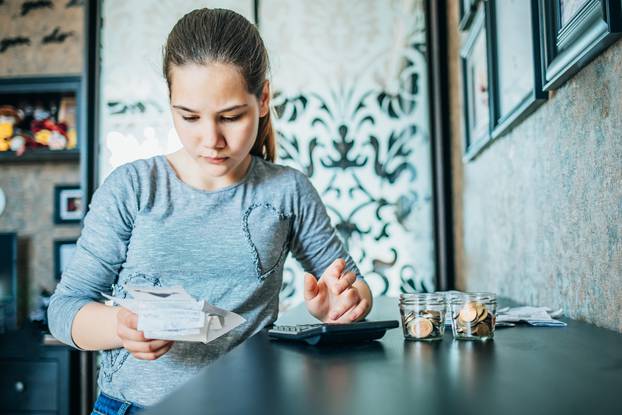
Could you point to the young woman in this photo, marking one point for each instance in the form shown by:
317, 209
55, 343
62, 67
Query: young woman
217, 217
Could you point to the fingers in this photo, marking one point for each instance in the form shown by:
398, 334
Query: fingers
153, 355
356, 312
311, 288
349, 299
134, 341
126, 326
343, 283
336, 279
146, 347
335, 269
127, 318
126, 333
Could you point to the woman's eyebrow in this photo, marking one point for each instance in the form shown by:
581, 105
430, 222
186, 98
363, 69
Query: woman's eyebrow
234, 107
181, 107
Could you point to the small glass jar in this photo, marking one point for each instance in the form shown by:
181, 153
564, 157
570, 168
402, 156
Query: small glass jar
473, 316
449, 295
423, 316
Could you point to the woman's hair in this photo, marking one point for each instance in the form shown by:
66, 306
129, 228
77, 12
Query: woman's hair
206, 36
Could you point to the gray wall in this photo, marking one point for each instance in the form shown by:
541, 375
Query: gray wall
538, 215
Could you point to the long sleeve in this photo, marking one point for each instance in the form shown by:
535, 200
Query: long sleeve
100, 252
315, 243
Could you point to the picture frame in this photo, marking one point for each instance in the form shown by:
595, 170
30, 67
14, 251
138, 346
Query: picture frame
474, 56
573, 33
467, 12
515, 64
63, 252
67, 204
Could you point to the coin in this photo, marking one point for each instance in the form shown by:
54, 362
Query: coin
420, 328
468, 313
431, 314
409, 318
482, 312
483, 329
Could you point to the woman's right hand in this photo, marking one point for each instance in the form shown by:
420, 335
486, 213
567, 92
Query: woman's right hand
135, 342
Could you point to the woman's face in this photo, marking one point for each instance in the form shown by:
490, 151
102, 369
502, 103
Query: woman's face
216, 118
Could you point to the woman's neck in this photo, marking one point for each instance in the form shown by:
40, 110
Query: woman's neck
189, 171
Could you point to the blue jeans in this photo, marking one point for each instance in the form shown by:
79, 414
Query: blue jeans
107, 405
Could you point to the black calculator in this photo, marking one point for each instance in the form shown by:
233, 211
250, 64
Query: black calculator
332, 333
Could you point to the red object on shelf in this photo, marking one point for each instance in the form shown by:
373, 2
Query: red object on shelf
48, 124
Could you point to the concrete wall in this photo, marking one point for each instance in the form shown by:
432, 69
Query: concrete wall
46, 37
538, 215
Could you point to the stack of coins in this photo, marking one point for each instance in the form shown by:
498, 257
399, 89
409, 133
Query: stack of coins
474, 319
424, 324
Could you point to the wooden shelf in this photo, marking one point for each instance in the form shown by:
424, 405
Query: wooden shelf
34, 156
34, 86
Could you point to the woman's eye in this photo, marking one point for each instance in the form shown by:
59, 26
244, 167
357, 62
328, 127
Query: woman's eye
190, 119
231, 119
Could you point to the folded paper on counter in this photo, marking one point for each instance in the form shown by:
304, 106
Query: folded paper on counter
535, 316
170, 313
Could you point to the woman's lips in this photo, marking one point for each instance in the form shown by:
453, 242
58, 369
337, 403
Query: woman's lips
215, 160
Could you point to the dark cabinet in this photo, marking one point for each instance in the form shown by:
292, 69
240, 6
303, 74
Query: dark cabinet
37, 378
30, 386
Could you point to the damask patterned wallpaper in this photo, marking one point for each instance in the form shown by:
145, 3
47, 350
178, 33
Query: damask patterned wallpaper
350, 98
349, 83
41, 37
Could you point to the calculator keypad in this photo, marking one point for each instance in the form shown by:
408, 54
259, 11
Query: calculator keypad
294, 329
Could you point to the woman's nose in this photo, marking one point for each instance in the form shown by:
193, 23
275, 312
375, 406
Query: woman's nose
211, 136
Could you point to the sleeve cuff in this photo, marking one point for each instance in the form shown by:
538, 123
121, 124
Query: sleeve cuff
61, 314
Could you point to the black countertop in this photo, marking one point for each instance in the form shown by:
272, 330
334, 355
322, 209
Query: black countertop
532, 370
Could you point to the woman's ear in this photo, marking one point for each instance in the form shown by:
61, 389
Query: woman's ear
264, 101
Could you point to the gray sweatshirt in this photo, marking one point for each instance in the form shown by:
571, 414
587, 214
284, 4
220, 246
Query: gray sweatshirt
147, 227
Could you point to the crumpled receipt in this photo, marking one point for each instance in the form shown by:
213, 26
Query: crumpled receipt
170, 313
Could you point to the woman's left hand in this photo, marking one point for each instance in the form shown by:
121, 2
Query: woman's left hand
334, 298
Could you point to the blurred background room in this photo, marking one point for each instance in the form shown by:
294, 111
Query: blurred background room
453, 146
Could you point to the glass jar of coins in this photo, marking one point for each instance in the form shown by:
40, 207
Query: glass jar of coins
423, 316
473, 316
448, 297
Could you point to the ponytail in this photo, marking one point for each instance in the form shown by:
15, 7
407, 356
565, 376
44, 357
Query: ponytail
265, 143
